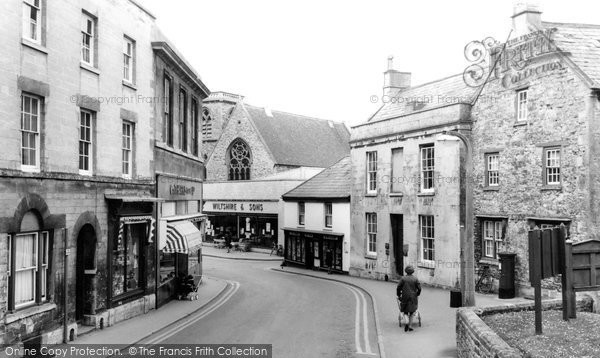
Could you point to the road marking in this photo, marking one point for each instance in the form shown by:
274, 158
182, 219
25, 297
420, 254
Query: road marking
232, 288
356, 322
364, 322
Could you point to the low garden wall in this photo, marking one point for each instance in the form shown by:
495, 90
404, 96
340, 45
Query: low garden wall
475, 339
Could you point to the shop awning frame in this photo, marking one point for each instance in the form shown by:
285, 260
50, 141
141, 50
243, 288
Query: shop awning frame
181, 236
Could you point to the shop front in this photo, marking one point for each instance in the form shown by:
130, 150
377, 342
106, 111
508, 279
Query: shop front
255, 222
180, 230
314, 249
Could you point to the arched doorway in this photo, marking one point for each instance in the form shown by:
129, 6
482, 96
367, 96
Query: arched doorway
86, 265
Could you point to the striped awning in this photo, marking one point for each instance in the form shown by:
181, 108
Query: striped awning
181, 236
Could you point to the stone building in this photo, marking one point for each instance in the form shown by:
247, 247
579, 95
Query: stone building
178, 165
408, 194
78, 189
535, 145
260, 155
316, 216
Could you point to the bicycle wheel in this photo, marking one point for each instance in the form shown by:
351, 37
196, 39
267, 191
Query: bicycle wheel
486, 285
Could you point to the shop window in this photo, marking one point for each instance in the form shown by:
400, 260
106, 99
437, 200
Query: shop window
372, 172
522, 97
86, 149
295, 247
493, 237
301, 213
551, 163
88, 40
32, 20
426, 227
371, 234
492, 176
427, 167
126, 257
239, 160
328, 215
30, 132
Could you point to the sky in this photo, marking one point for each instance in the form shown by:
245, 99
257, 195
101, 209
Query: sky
326, 58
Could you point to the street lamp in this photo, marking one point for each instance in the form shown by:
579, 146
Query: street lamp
467, 248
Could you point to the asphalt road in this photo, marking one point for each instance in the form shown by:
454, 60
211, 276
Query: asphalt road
300, 316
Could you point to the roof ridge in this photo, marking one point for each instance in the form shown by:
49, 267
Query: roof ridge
431, 82
571, 24
297, 115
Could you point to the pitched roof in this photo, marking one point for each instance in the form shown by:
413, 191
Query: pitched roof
439, 93
583, 43
301, 141
332, 183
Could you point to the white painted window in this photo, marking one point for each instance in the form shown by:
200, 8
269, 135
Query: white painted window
522, 105
371, 172
552, 166
32, 20
427, 167
301, 213
85, 143
371, 233
30, 133
427, 229
493, 177
328, 215
88, 39
128, 59
492, 238
126, 149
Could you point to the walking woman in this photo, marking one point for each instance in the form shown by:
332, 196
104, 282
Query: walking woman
408, 291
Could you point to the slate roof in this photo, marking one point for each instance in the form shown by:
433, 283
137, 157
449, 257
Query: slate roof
583, 43
301, 141
439, 93
332, 183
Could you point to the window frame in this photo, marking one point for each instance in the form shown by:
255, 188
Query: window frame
495, 240
183, 140
91, 33
36, 134
129, 69
522, 100
168, 110
424, 237
546, 168
301, 213
127, 150
328, 215
27, 20
371, 231
206, 123
371, 172
194, 124
489, 172
428, 149
243, 172
396, 183
90, 142
40, 281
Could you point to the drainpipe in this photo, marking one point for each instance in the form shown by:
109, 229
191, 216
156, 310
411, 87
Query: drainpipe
467, 247
65, 292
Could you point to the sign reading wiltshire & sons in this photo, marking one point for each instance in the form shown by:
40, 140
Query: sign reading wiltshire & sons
512, 62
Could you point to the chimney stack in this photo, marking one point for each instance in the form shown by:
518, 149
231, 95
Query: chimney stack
526, 18
394, 81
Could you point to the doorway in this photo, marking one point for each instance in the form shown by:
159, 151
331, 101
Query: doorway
86, 264
397, 221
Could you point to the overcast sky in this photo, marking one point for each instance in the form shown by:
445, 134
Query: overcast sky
325, 58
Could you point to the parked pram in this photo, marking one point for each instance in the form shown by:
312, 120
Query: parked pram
188, 287
403, 318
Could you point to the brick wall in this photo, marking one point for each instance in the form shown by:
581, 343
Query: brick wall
239, 126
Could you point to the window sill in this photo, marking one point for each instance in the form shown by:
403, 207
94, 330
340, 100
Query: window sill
426, 264
426, 193
520, 123
129, 85
491, 188
85, 173
396, 194
28, 312
489, 261
371, 256
371, 195
552, 187
30, 169
89, 68
34, 46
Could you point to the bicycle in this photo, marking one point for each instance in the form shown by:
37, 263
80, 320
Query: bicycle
485, 281
277, 249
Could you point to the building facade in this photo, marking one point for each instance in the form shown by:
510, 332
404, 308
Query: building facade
408, 192
260, 155
316, 216
535, 145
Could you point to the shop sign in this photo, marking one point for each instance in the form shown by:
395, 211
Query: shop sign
171, 188
258, 207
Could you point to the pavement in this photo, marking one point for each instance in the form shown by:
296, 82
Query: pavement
212, 251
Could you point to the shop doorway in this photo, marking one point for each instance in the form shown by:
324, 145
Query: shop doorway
398, 242
86, 264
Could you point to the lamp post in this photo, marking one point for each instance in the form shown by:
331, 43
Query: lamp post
467, 248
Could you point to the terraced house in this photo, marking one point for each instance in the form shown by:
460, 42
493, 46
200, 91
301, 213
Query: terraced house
535, 147
78, 241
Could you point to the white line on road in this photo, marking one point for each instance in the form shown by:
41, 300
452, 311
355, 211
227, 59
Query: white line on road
231, 290
364, 322
356, 321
